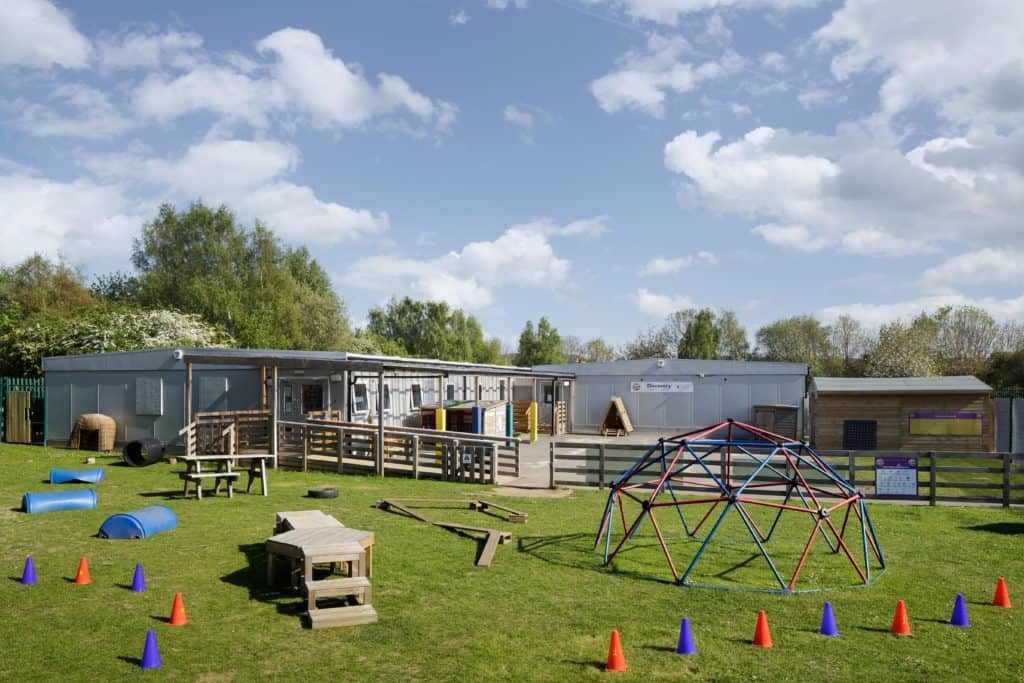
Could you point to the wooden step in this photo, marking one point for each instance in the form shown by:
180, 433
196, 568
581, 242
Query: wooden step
358, 586
343, 616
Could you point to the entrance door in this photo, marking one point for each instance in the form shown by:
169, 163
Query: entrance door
17, 419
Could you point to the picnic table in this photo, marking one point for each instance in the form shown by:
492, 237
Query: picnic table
220, 467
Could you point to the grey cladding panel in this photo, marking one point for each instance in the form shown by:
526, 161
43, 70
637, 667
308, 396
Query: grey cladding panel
149, 396
213, 393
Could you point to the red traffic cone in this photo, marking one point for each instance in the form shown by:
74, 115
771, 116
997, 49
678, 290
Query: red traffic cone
1002, 598
900, 624
82, 575
762, 636
178, 612
616, 660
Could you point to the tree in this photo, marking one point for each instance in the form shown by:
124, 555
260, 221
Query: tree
849, 341
37, 286
266, 295
966, 337
651, 343
543, 347
593, 351
800, 339
903, 350
732, 338
1004, 369
700, 339
430, 329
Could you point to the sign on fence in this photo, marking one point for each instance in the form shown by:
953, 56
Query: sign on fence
896, 476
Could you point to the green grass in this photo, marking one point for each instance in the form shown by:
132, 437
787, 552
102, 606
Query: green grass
542, 611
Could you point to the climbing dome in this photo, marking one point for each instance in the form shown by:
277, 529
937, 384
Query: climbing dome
741, 472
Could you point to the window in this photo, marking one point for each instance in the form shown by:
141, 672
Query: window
479, 391
549, 393
860, 435
387, 397
417, 396
501, 390
450, 392
359, 403
312, 398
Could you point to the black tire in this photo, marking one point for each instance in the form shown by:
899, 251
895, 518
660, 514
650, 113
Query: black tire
323, 492
143, 452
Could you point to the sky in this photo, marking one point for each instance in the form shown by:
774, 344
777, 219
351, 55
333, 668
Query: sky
598, 162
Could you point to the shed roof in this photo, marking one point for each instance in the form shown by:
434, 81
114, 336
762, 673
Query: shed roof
956, 384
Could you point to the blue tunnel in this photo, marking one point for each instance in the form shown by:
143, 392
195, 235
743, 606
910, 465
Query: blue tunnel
60, 476
139, 523
51, 501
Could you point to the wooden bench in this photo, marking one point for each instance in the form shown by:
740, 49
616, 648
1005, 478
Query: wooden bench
197, 478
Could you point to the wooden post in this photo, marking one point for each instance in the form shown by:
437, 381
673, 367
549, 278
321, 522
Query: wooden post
274, 436
1006, 480
931, 478
494, 464
263, 386
341, 451
456, 470
851, 464
380, 422
305, 447
517, 457
415, 456
551, 464
600, 466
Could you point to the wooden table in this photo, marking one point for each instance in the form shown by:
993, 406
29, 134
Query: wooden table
322, 545
223, 470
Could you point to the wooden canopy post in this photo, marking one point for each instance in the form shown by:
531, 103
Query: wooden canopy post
273, 417
380, 422
263, 387
188, 392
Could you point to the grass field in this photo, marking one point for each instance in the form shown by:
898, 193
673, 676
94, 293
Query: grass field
542, 611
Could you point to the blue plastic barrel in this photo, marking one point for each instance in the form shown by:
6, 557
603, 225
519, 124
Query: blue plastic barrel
478, 420
59, 476
51, 501
139, 523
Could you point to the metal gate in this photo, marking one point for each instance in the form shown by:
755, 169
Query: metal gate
22, 410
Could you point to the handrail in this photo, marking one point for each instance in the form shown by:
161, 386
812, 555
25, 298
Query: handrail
418, 431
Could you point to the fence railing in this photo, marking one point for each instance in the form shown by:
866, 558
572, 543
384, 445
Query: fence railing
977, 478
408, 451
26, 419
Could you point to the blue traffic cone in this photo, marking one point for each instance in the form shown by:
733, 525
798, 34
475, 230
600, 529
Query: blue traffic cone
138, 581
150, 654
959, 617
828, 622
685, 646
28, 576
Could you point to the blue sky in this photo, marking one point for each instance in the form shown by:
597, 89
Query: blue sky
601, 162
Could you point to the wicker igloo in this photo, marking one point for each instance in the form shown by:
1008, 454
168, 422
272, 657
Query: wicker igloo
93, 432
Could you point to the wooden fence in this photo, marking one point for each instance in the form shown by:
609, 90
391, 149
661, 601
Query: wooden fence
978, 478
251, 428
351, 447
23, 410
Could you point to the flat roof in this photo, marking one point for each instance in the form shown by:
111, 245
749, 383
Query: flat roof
649, 367
955, 384
294, 360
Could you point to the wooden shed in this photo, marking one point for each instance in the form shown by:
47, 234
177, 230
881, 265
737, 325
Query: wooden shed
902, 413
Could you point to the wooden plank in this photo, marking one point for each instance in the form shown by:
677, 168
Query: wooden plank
389, 504
488, 552
343, 616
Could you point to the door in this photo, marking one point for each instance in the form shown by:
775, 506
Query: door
17, 419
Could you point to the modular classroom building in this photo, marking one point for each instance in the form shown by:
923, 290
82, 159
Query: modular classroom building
902, 413
155, 393
677, 395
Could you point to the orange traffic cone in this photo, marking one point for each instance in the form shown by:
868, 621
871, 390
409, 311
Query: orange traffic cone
82, 575
1002, 598
762, 636
616, 660
900, 624
178, 612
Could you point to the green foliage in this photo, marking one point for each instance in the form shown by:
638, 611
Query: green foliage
595, 350
543, 347
1004, 369
430, 329
903, 350
700, 339
800, 339
37, 286
732, 338
116, 287
965, 338
266, 295
654, 342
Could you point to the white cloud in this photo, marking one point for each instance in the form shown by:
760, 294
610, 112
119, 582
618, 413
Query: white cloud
80, 219
149, 50
644, 78
522, 255
875, 315
502, 5
518, 117
856, 191
302, 76
819, 97
774, 61
669, 11
959, 56
660, 305
667, 266
459, 18
87, 113
250, 178
715, 29
985, 266
35, 33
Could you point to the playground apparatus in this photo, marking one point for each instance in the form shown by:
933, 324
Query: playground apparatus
735, 466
